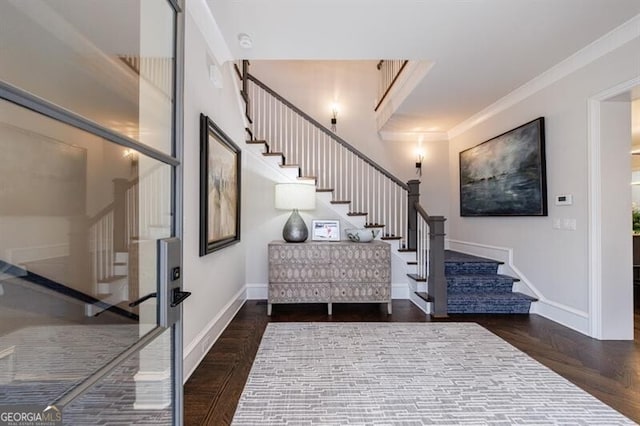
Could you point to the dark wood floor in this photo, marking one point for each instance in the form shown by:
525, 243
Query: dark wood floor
608, 370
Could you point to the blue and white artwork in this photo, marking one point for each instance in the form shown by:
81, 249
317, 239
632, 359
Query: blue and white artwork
505, 176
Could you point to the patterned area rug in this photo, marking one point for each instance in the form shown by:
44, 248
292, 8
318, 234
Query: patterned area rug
406, 374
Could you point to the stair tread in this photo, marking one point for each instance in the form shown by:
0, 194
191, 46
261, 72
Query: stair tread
290, 166
324, 189
413, 262
340, 202
374, 225
390, 238
417, 277
273, 154
357, 214
407, 250
424, 296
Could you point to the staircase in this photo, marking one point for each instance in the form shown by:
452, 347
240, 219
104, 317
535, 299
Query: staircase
441, 282
474, 286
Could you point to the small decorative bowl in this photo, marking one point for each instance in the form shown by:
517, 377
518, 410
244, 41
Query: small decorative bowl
363, 235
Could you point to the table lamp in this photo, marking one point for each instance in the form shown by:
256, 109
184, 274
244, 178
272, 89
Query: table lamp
295, 196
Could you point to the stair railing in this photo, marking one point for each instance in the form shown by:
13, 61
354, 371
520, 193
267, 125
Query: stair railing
352, 176
389, 72
333, 162
430, 257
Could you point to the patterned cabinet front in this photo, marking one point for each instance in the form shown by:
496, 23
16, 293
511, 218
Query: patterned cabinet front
326, 272
361, 272
299, 273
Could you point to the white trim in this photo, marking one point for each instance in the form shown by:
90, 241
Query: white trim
594, 147
566, 315
594, 191
600, 47
562, 314
208, 26
259, 291
208, 336
503, 254
400, 290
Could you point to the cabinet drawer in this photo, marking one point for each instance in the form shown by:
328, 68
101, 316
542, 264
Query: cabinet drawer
360, 292
357, 272
302, 253
299, 272
299, 292
361, 253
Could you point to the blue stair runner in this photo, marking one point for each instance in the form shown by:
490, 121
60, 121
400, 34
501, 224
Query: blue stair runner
474, 286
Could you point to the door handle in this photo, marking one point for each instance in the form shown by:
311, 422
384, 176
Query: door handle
179, 296
142, 299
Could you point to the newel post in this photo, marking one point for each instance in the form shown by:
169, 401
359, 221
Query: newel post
437, 280
412, 220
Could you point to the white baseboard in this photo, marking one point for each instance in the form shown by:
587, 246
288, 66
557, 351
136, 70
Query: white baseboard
557, 312
400, 290
198, 348
562, 314
258, 291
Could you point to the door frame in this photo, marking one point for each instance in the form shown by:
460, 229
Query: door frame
597, 310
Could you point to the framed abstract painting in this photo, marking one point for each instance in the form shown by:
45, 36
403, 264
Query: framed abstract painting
220, 168
506, 175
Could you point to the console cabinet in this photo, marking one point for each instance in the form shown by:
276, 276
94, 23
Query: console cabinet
329, 272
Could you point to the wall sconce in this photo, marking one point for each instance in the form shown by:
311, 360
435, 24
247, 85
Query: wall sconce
334, 117
132, 155
419, 159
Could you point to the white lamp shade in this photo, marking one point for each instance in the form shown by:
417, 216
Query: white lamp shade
291, 196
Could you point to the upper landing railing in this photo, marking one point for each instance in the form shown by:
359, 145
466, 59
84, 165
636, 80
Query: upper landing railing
389, 72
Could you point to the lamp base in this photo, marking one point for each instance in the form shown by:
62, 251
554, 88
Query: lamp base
295, 230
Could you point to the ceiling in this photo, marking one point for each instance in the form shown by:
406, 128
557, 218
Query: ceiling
481, 49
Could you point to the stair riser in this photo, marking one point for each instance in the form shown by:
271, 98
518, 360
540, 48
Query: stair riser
470, 268
483, 308
462, 284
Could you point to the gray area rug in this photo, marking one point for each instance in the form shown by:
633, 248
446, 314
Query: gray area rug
406, 374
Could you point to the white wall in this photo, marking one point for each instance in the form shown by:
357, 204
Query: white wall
314, 85
217, 280
555, 261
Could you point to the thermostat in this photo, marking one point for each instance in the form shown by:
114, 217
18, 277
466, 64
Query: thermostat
564, 200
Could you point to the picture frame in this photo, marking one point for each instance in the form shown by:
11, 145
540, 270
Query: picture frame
506, 175
325, 230
220, 171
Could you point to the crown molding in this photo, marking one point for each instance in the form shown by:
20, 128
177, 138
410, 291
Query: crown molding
600, 47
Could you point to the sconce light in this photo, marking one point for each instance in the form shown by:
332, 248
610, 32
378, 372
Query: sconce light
132, 155
334, 117
419, 159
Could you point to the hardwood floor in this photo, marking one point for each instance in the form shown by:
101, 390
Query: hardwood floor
609, 370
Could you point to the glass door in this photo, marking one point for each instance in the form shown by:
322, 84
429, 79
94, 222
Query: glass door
90, 255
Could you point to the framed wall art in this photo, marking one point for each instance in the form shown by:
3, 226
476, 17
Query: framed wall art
325, 230
220, 168
506, 175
